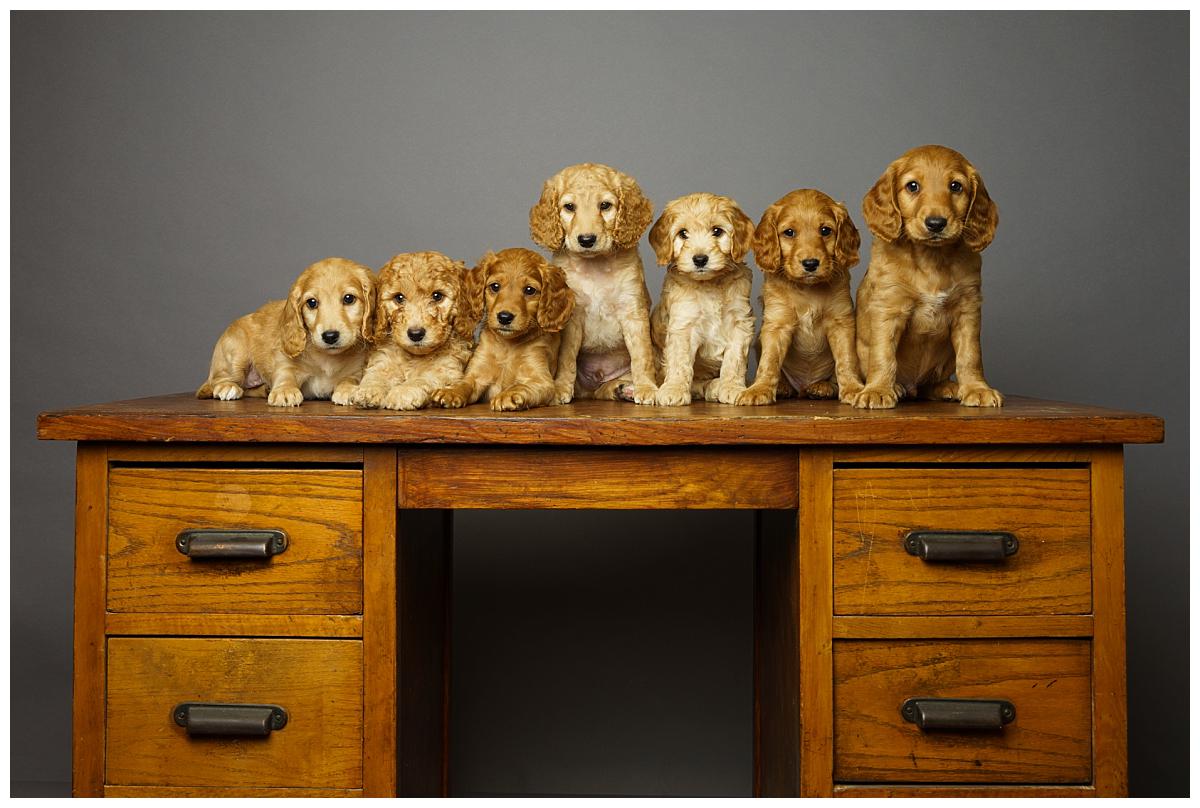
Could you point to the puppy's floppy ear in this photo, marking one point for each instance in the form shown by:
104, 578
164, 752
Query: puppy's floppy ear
662, 238
765, 242
982, 217
293, 332
366, 287
742, 236
470, 297
634, 212
558, 300
544, 223
879, 207
846, 239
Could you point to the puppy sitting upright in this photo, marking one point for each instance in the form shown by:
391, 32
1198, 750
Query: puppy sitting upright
806, 245
312, 345
591, 217
919, 305
425, 320
526, 304
703, 323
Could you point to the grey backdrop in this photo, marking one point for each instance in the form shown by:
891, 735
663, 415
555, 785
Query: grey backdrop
172, 171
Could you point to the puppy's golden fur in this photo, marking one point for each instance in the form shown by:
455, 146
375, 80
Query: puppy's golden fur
703, 323
282, 349
526, 303
919, 304
590, 217
808, 316
425, 319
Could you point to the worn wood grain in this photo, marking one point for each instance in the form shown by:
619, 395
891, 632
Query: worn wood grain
952, 453
87, 713
816, 623
181, 417
511, 477
318, 682
230, 453
961, 792
233, 625
319, 509
214, 793
1048, 509
1048, 681
1109, 706
380, 729
950, 627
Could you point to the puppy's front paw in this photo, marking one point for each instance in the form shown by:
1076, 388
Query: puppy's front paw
673, 394
450, 397
725, 392
848, 392
368, 396
344, 393
981, 396
876, 398
510, 400
405, 397
641, 393
226, 391
822, 389
756, 395
564, 394
285, 396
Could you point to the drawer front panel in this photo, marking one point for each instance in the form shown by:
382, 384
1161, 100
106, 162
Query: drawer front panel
1048, 682
319, 510
317, 682
1047, 510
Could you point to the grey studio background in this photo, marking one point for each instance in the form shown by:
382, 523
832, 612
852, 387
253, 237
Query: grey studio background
170, 172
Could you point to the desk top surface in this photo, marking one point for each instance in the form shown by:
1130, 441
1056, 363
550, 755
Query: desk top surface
183, 418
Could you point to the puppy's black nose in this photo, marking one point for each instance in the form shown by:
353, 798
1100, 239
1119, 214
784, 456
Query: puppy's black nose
330, 337
506, 317
416, 334
699, 260
935, 224
586, 241
810, 264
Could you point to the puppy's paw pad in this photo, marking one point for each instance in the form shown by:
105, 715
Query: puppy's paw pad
981, 397
876, 398
404, 398
226, 391
822, 389
672, 395
756, 396
285, 397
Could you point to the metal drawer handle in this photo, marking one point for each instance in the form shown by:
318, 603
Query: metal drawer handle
257, 720
959, 714
225, 544
964, 546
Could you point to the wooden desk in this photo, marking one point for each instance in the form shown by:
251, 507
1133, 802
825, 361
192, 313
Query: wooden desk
346, 627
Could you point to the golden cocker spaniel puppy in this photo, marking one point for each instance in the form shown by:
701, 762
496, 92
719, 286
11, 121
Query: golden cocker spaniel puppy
311, 345
919, 304
590, 217
526, 303
425, 318
703, 323
806, 244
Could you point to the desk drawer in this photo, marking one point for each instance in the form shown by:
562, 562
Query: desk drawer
1047, 509
319, 511
318, 683
1048, 683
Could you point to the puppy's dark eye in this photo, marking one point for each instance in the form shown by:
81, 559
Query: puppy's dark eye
790, 233
437, 296
826, 230
913, 186
718, 232
682, 234
605, 205
349, 299
569, 207
529, 290
956, 187
398, 297
495, 287
311, 303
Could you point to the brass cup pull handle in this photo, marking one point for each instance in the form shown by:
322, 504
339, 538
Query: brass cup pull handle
963, 546
230, 544
959, 715
253, 720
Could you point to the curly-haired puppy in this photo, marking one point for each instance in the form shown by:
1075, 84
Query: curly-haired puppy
591, 217
311, 345
806, 244
919, 304
703, 323
425, 321
526, 303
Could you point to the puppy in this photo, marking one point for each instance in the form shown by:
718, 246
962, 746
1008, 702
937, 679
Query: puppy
919, 304
806, 245
425, 321
703, 323
591, 217
527, 303
311, 345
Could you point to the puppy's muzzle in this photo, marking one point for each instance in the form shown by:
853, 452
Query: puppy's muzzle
587, 241
700, 260
506, 317
810, 264
330, 337
935, 224
416, 334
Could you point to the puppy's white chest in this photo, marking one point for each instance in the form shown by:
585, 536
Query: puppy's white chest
605, 303
930, 314
705, 313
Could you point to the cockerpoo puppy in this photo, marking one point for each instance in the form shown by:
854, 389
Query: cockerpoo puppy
703, 323
311, 345
806, 244
425, 318
526, 303
590, 217
919, 304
